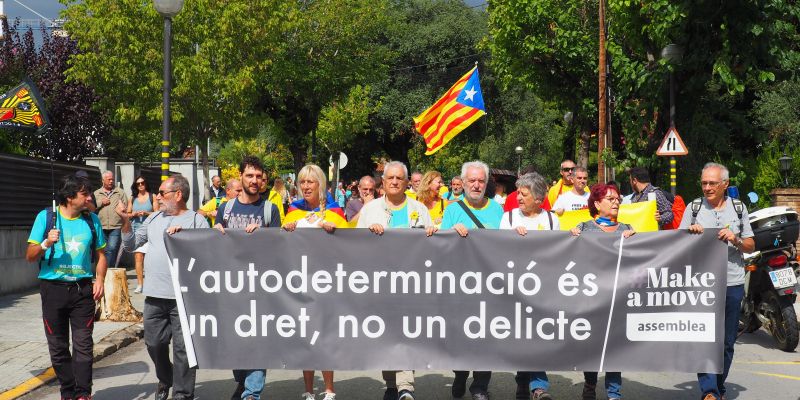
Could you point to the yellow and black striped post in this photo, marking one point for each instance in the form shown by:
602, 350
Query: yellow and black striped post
673, 175
167, 117
164, 160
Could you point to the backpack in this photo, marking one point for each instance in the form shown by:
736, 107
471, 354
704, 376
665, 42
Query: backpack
226, 214
678, 209
51, 224
737, 206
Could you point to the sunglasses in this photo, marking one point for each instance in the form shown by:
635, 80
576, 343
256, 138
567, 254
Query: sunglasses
567, 169
162, 193
140, 183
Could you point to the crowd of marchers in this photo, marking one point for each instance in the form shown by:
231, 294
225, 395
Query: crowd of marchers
74, 244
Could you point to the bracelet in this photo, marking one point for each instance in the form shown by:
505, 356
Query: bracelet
44, 247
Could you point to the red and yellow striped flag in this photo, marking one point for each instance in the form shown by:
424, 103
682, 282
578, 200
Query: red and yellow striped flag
452, 113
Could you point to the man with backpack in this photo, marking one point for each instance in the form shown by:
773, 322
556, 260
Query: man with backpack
161, 319
67, 242
640, 183
716, 210
249, 211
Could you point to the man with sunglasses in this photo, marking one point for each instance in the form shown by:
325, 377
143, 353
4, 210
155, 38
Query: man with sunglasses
564, 185
161, 320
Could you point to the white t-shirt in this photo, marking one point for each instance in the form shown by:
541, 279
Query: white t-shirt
570, 201
500, 199
537, 223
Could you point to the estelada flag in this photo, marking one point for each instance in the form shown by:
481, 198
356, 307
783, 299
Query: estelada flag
457, 109
23, 107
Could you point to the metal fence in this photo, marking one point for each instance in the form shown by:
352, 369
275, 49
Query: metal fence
28, 189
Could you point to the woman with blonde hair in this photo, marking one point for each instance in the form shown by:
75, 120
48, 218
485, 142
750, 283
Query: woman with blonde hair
315, 208
429, 194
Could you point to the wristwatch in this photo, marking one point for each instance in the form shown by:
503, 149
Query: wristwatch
44, 247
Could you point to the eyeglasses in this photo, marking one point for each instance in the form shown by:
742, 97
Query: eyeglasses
612, 199
162, 193
567, 169
140, 183
710, 183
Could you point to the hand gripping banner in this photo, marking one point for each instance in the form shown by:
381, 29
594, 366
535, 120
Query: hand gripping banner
494, 300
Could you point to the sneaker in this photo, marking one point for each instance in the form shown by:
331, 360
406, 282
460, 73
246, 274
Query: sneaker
459, 388
237, 394
589, 392
480, 396
138, 289
540, 394
390, 394
710, 396
406, 395
307, 396
329, 396
250, 398
162, 392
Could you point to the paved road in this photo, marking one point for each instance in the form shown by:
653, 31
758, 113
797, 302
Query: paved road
760, 372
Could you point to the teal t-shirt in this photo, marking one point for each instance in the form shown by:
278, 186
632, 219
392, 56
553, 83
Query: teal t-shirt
73, 258
399, 218
490, 216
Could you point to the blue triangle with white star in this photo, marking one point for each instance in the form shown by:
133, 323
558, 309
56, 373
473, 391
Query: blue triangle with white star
471, 95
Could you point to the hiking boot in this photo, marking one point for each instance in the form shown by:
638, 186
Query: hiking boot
480, 396
459, 388
589, 392
390, 394
162, 392
540, 394
406, 395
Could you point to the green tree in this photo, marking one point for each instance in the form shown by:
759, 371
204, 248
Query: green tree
327, 48
219, 52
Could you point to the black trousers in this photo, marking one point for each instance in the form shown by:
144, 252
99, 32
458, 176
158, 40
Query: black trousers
162, 324
480, 380
64, 306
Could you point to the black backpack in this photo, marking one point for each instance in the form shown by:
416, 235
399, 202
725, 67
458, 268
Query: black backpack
51, 224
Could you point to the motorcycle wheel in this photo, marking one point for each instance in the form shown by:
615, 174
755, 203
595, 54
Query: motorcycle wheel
747, 323
784, 322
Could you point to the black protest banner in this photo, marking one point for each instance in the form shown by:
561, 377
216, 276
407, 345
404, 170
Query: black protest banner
494, 300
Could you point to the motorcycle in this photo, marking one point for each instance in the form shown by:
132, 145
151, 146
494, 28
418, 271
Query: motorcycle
771, 276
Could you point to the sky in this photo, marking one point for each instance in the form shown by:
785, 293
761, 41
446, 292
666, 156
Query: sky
48, 8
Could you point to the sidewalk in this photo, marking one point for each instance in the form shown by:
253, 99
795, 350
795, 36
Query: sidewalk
24, 358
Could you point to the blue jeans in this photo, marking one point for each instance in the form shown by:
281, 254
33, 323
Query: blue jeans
253, 381
112, 246
715, 383
613, 383
539, 380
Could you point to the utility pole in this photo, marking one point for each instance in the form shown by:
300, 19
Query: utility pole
602, 126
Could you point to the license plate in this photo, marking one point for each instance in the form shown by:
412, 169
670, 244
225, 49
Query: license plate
783, 278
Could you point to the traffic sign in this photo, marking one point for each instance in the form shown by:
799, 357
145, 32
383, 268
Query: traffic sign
342, 160
672, 144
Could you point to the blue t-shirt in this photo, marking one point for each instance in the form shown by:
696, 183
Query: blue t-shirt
449, 196
73, 257
242, 215
490, 215
399, 218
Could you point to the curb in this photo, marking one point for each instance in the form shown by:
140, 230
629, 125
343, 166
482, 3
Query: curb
104, 348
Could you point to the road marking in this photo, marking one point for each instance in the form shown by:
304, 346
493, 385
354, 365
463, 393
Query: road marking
29, 385
790, 377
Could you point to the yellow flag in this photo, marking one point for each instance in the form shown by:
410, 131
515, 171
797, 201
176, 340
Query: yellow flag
641, 216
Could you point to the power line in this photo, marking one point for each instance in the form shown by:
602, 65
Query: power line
437, 62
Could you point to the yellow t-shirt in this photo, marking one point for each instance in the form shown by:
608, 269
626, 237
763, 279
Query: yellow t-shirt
276, 199
212, 205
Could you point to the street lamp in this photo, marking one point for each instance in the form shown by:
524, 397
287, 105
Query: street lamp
167, 9
786, 167
673, 53
518, 150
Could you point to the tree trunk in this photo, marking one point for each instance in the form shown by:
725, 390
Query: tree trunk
116, 302
583, 147
204, 160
